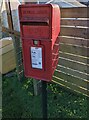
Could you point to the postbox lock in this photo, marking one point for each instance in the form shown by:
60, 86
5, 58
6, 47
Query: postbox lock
35, 42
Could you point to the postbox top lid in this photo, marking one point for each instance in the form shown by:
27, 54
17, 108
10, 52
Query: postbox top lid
39, 5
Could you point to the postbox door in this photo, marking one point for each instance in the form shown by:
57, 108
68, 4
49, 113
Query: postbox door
37, 59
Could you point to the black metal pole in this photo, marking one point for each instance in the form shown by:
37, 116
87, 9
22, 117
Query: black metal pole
44, 99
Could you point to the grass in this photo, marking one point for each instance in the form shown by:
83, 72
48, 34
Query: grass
20, 102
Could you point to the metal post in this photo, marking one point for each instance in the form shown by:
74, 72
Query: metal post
44, 99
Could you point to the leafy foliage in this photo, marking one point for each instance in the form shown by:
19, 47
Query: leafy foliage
20, 102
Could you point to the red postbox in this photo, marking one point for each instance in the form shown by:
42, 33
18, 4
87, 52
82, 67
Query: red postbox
40, 26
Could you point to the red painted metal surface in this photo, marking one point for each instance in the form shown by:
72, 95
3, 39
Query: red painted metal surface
40, 26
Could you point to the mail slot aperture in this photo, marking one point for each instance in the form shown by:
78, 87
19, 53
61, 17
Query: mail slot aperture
35, 32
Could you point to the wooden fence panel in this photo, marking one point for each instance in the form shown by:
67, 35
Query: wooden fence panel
71, 86
74, 41
74, 12
74, 31
81, 51
72, 79
73, 65
75, 57
75, 22
72, 71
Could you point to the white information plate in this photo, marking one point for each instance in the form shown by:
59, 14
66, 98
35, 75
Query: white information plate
36, 57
